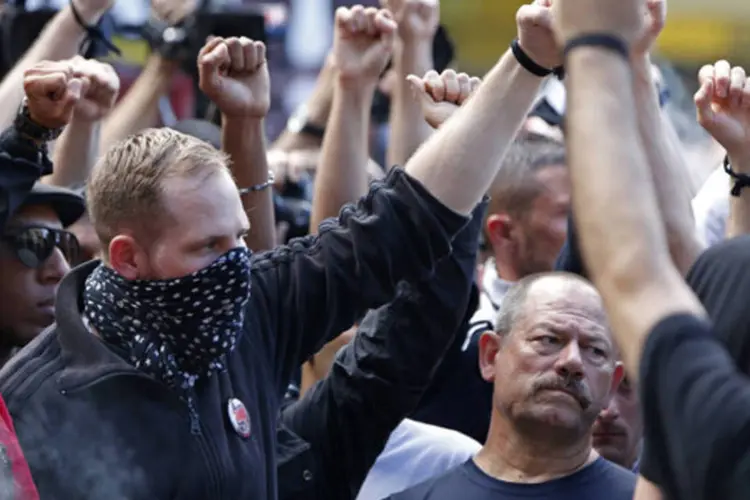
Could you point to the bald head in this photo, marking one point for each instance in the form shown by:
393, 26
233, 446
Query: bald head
544, 290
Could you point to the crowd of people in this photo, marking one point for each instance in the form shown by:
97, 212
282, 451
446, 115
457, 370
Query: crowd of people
523, 302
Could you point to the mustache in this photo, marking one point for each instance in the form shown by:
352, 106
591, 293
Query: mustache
576, 388
601, 427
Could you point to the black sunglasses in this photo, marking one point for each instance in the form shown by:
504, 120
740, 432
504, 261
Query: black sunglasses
33, 245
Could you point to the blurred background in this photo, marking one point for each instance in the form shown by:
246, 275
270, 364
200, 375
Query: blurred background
298, 33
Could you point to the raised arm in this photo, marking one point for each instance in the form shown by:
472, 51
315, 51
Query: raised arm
363, 43
623, 244
385, 370
418, 22
663, 151
234, 75
78, 147
723, 103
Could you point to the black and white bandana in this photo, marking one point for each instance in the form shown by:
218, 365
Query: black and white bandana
177, 330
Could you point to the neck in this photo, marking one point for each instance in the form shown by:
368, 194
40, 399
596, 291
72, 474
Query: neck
506, 271
513, 457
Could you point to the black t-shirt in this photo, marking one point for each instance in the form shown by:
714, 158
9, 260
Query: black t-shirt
696, 407
597, 481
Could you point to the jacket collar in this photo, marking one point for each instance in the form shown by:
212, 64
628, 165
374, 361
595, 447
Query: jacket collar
86, 357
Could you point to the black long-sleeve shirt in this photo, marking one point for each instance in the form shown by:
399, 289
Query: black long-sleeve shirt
330, 438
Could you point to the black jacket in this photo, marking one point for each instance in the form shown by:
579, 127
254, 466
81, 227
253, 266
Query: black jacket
329, 439
92, 426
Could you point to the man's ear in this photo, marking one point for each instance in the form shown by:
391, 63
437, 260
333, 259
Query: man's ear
490, 344
126, 257
499, 227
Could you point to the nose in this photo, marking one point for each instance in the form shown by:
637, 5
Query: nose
54, 268
570, 363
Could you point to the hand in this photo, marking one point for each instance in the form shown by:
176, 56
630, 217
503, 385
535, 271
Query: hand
535, 34
621, 18
723, 105
92, 10
173, 11
417, 20
442, 95
362, 43
101, 85
233, 73
655, 13
52, 91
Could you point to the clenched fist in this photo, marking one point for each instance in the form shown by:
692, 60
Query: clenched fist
442, 95
655, 17
233, 73
101, 85
362, 43
621, 18
417, 20
535, 33
52, 91
723, 105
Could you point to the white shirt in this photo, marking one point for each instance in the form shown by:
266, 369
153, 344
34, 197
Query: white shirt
711, 208
415, 453
494, 289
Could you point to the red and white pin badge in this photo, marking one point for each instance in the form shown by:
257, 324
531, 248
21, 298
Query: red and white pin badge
238, 417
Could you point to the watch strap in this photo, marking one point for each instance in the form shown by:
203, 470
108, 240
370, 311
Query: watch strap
26, 126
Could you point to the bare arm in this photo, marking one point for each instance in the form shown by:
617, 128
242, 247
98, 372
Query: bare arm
624, 245
75, 153
645, 490
668, 169
139, 107
60, 39
739, 207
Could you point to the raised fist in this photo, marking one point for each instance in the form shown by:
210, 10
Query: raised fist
655, 17
723, 106
362, 43
442, 95
233, 73
52, 91
535, 33
101, 85
417, 20
621, 18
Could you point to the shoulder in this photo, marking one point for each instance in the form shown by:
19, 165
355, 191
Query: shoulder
615, 478
438, 439
32, 367
448, 486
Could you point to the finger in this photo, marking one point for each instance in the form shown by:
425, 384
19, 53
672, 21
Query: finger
358, 22
236, 55
213, 62
46, 85
371, 27
475, 83
464, 85
249, 53
703, 100
260, 54
534, 15
745, 103
343, 18
722, 71
211, 43
436, 88
705, 73
417, 84
452, 87
737, 79
385, 24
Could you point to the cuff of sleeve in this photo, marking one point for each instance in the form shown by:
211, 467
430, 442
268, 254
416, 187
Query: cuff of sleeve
21, 149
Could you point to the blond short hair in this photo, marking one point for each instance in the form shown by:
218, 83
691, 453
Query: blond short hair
125, 188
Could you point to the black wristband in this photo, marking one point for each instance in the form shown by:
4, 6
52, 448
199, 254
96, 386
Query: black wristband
529, 64
740, 180
93, 33
603, 40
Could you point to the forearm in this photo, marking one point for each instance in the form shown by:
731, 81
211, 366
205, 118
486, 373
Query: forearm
342, 172
459, 161
60, 39
668, 169
75, 153
243, 139
318, 110
408, 127
139, 107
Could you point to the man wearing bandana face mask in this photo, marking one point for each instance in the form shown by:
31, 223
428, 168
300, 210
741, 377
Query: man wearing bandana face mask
163, 375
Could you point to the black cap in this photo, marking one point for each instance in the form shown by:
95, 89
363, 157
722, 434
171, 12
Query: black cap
68, 205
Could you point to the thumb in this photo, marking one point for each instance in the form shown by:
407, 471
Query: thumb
75, 89
531, 15
419, 89
703, 100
